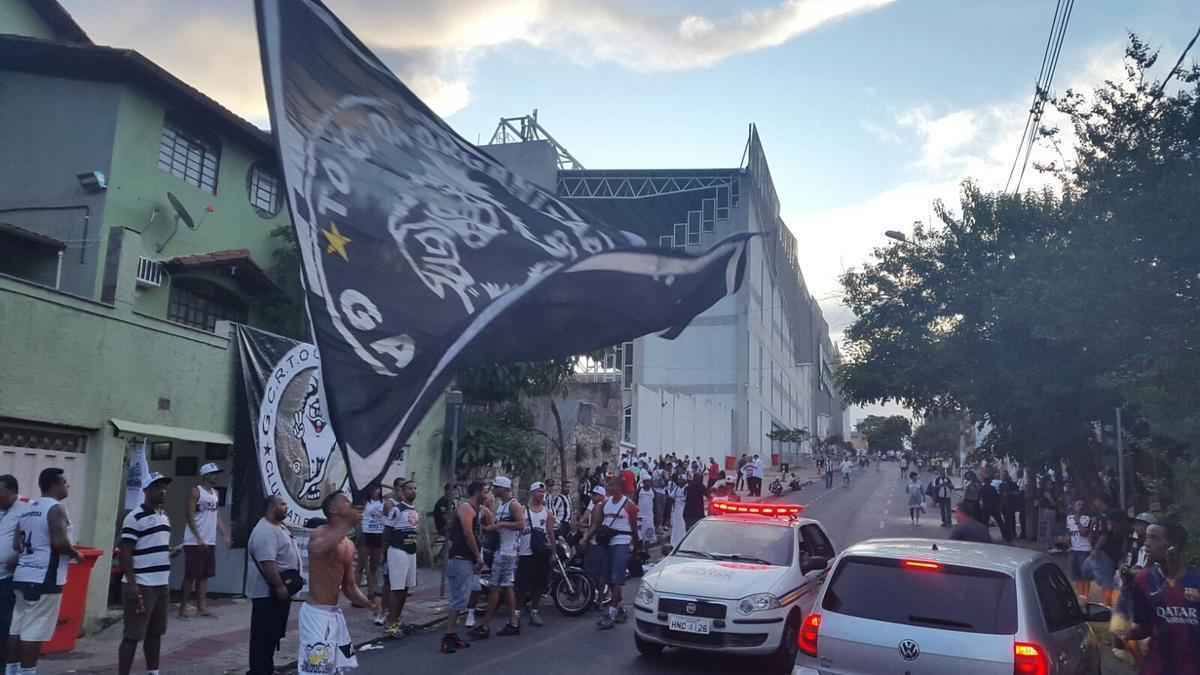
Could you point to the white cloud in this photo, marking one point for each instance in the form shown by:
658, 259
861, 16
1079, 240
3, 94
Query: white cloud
212, 45
886, 135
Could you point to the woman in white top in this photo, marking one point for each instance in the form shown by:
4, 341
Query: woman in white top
916, 498
645, 502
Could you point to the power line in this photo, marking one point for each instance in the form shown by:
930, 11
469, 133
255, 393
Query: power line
1041, 92
1175, 68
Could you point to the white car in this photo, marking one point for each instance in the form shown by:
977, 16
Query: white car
740, 582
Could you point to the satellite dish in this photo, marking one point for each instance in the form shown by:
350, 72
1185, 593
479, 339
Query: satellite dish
180, 212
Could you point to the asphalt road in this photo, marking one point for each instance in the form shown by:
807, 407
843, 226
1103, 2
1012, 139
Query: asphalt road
873, 506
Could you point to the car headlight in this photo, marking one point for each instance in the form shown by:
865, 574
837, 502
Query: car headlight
759, 602
645, 595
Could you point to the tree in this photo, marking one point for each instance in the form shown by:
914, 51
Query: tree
1041, 312
885, 433
937, 435
284, 312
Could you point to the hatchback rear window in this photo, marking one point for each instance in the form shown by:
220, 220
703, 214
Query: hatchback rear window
946, 597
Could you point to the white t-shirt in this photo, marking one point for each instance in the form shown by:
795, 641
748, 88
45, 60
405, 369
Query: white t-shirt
372, 520
1078, 526
269, 543
757, 468
846, 466
8, 523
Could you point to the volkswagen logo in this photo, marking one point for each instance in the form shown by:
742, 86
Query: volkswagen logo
690, 608
909, 649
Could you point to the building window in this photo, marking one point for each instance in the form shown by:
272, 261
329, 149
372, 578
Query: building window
627, 427
627, 365
201, 304
264, 186
189, 156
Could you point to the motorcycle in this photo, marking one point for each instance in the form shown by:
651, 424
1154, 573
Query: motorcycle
776, 487
795, 483
570, 588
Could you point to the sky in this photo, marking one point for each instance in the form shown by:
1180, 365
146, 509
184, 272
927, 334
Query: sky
869, 110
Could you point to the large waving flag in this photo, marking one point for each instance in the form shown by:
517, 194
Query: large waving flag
422, 254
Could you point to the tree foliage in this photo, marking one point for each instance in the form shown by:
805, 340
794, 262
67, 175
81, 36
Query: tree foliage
937, 435
885, 433
1041, 312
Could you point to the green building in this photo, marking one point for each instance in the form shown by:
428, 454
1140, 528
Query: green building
135, 221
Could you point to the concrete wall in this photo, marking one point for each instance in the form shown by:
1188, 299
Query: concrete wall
590, 412
52, 129
18, 18
537, 161
687, 424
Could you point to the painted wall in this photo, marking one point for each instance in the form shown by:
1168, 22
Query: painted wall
46, 143
666, 421
18, 18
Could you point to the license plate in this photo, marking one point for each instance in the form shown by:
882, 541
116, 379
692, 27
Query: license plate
689, 624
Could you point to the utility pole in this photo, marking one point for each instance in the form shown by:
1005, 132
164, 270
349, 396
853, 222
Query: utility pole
1120, 459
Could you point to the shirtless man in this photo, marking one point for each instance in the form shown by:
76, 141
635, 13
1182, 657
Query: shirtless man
325, 645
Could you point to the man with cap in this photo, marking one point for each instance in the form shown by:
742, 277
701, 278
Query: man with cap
200, 540
534, 551
509, 522
145, 552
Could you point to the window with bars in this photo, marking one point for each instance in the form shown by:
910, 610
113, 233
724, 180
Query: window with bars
627, 365
627, 426
189, 156
263, 185
201, 304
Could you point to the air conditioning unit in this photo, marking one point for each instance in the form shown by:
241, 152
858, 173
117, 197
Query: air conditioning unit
149, 272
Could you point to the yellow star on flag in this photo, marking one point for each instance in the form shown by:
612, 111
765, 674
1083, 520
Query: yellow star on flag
337, 242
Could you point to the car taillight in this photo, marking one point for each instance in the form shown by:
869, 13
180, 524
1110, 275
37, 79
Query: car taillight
924, 565
1029, 659
806, 640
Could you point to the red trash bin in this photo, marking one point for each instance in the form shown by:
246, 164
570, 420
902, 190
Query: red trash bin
74, 601
730, 463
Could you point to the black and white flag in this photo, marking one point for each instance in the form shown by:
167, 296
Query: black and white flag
422, 254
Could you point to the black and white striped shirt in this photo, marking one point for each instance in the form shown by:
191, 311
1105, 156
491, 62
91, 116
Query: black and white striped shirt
150, 532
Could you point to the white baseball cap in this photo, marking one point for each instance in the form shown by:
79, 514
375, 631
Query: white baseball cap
209, 468
155, 477
599, 490
539, 485
502, 482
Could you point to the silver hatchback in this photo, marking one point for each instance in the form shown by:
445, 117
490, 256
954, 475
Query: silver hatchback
932, 607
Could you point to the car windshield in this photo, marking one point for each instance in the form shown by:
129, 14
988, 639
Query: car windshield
739, 541
950, 598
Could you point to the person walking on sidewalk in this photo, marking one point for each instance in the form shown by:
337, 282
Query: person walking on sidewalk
464, 561
614, 529
325, 643
146, 566
401, 520
536, 547
916, 498
509, 522
11, 507
741, 476
1166, 605
200, 541
48, 540
273, 553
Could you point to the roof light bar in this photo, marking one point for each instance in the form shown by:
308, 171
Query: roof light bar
774, 510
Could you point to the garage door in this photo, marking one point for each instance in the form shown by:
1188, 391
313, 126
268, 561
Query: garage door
24, 452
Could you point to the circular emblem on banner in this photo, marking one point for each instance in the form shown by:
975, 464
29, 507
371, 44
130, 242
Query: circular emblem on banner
297, 448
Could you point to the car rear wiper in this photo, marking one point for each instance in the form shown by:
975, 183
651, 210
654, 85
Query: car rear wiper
936, 621
741, 558
698, 554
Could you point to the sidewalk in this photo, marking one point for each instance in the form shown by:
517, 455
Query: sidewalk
206, 646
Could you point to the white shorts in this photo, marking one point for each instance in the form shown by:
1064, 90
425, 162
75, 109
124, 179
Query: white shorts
35, 621
402, 569
325, 646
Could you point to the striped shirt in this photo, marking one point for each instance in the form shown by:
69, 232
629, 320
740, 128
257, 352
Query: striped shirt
150, 533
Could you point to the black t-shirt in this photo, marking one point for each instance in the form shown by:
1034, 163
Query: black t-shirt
693, 506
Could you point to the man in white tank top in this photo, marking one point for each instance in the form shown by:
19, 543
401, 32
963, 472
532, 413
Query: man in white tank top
615, 533
46, 547
200, 541
509, 522
533, 564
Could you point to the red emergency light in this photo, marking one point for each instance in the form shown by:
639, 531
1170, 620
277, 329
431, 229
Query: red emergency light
773, 510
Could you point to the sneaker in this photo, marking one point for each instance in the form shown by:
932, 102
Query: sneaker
470, 622
535, 618
481, 632
378, 621
605, 623
509, 630
622, 617
394, 631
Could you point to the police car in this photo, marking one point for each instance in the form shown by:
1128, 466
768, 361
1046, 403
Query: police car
740, 582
